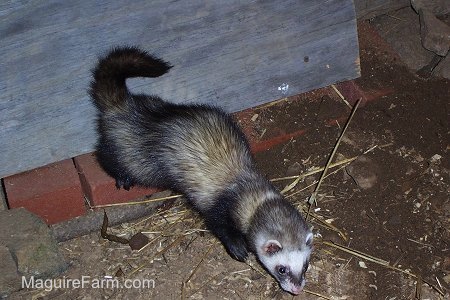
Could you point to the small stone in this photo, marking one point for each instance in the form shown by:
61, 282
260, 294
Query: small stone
437, 7
435, 158
447, 279
30, 241
10, 281
119, 273
294, 169
138, 241
364, 172
443, 68
434, 33
40, 259
3, 205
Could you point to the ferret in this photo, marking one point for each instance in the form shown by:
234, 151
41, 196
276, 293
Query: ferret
197, 150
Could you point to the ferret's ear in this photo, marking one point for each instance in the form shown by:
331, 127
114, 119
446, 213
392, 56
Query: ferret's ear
309, 239
272, 247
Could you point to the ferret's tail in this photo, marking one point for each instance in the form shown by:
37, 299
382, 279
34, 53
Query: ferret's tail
108, 89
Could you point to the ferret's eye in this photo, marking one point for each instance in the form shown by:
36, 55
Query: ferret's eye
305, 267
281, 270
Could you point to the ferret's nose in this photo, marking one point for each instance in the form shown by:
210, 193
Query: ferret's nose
296, 289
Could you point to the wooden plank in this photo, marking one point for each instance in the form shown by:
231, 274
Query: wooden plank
235, 54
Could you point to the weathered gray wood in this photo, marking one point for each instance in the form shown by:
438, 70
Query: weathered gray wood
235, 54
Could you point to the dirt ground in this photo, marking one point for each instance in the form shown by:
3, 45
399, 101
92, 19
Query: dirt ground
391, 203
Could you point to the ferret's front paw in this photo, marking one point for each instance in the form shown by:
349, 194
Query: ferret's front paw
237, 248
239, 253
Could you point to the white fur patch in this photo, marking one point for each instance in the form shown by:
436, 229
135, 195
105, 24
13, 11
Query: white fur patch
309, 239
295, 260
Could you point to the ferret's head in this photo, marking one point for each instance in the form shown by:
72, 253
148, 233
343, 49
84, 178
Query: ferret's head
286, 263
282, 242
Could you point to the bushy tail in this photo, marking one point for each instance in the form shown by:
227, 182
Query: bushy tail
108, 89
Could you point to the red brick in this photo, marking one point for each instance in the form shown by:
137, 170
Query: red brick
53, 192
272, 142
352, 92
100, 188
256, 145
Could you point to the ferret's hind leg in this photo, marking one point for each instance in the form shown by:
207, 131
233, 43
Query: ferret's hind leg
124, 181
